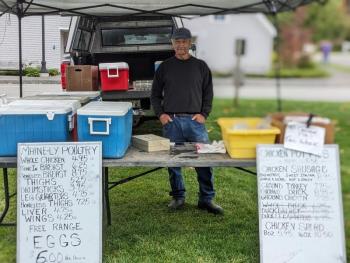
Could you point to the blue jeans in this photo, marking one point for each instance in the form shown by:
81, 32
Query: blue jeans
184, 129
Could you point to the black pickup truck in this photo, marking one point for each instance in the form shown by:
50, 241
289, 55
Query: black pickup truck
142, 42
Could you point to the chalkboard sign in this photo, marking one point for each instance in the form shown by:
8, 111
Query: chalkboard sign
300, 206
59, 203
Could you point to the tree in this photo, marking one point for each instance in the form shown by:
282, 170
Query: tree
329, 21
313, 23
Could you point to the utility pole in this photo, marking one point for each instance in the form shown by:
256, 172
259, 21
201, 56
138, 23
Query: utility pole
43, 61
238, 75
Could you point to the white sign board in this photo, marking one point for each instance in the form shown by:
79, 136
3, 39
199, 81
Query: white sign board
300, 206
302, 138
59, 203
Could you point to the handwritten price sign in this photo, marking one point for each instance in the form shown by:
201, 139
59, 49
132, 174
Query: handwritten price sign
59, 207
299, 137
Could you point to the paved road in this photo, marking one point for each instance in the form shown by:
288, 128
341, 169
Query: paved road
31, 86
338, 58
336, 88
332, 89
12, 90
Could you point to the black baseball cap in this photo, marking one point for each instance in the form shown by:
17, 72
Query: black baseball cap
181, 33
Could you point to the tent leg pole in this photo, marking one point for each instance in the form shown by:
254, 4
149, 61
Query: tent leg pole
278, 65
20, 55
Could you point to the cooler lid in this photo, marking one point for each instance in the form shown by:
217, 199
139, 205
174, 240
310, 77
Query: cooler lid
73, 104
105, 108
82, 99
90, 94
34, 109
119, 65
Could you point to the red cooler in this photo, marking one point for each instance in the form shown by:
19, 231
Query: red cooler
114, 76
64, 65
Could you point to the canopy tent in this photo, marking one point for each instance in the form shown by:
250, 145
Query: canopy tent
135, 7
96, 8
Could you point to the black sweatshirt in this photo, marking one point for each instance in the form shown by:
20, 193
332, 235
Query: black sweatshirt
182, 86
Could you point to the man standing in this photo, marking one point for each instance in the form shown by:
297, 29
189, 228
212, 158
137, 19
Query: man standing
182, 95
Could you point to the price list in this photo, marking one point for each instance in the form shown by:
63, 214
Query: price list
300, 205
59, 207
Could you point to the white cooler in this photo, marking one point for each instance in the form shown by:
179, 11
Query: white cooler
82, 99
92, 95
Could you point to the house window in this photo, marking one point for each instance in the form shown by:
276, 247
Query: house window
219, 18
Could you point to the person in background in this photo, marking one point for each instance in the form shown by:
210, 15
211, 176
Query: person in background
326, 48
182, 95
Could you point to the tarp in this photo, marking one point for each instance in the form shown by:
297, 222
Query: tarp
156, 7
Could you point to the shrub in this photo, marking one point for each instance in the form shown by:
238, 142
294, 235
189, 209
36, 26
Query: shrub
53, 72
8, 72
31, 72
305, 63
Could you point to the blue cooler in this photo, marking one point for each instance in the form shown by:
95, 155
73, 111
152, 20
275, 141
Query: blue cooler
23, 123
109, 122
74, 105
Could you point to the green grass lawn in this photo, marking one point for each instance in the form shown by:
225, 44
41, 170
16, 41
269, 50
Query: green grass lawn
144, 230
315, 72
341, 68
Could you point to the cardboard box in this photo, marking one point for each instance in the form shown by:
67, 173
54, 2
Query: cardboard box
82, 78
277, 120
150, 143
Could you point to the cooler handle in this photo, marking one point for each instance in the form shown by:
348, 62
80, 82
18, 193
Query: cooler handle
50, 115
91, 121
112, 75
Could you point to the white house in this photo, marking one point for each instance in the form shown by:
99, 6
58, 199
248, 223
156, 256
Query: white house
215, 37
56, 31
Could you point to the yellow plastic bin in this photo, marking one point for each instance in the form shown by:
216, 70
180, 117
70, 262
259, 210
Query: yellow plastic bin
241, 143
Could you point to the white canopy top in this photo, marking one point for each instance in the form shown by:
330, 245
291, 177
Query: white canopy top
155, 7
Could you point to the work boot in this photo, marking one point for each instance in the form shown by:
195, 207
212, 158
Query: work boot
211, 207
176, 203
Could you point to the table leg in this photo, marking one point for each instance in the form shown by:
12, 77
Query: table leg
245, 170
106, 193
7, 199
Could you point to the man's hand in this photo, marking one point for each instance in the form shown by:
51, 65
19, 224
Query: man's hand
165, 118
198, 118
